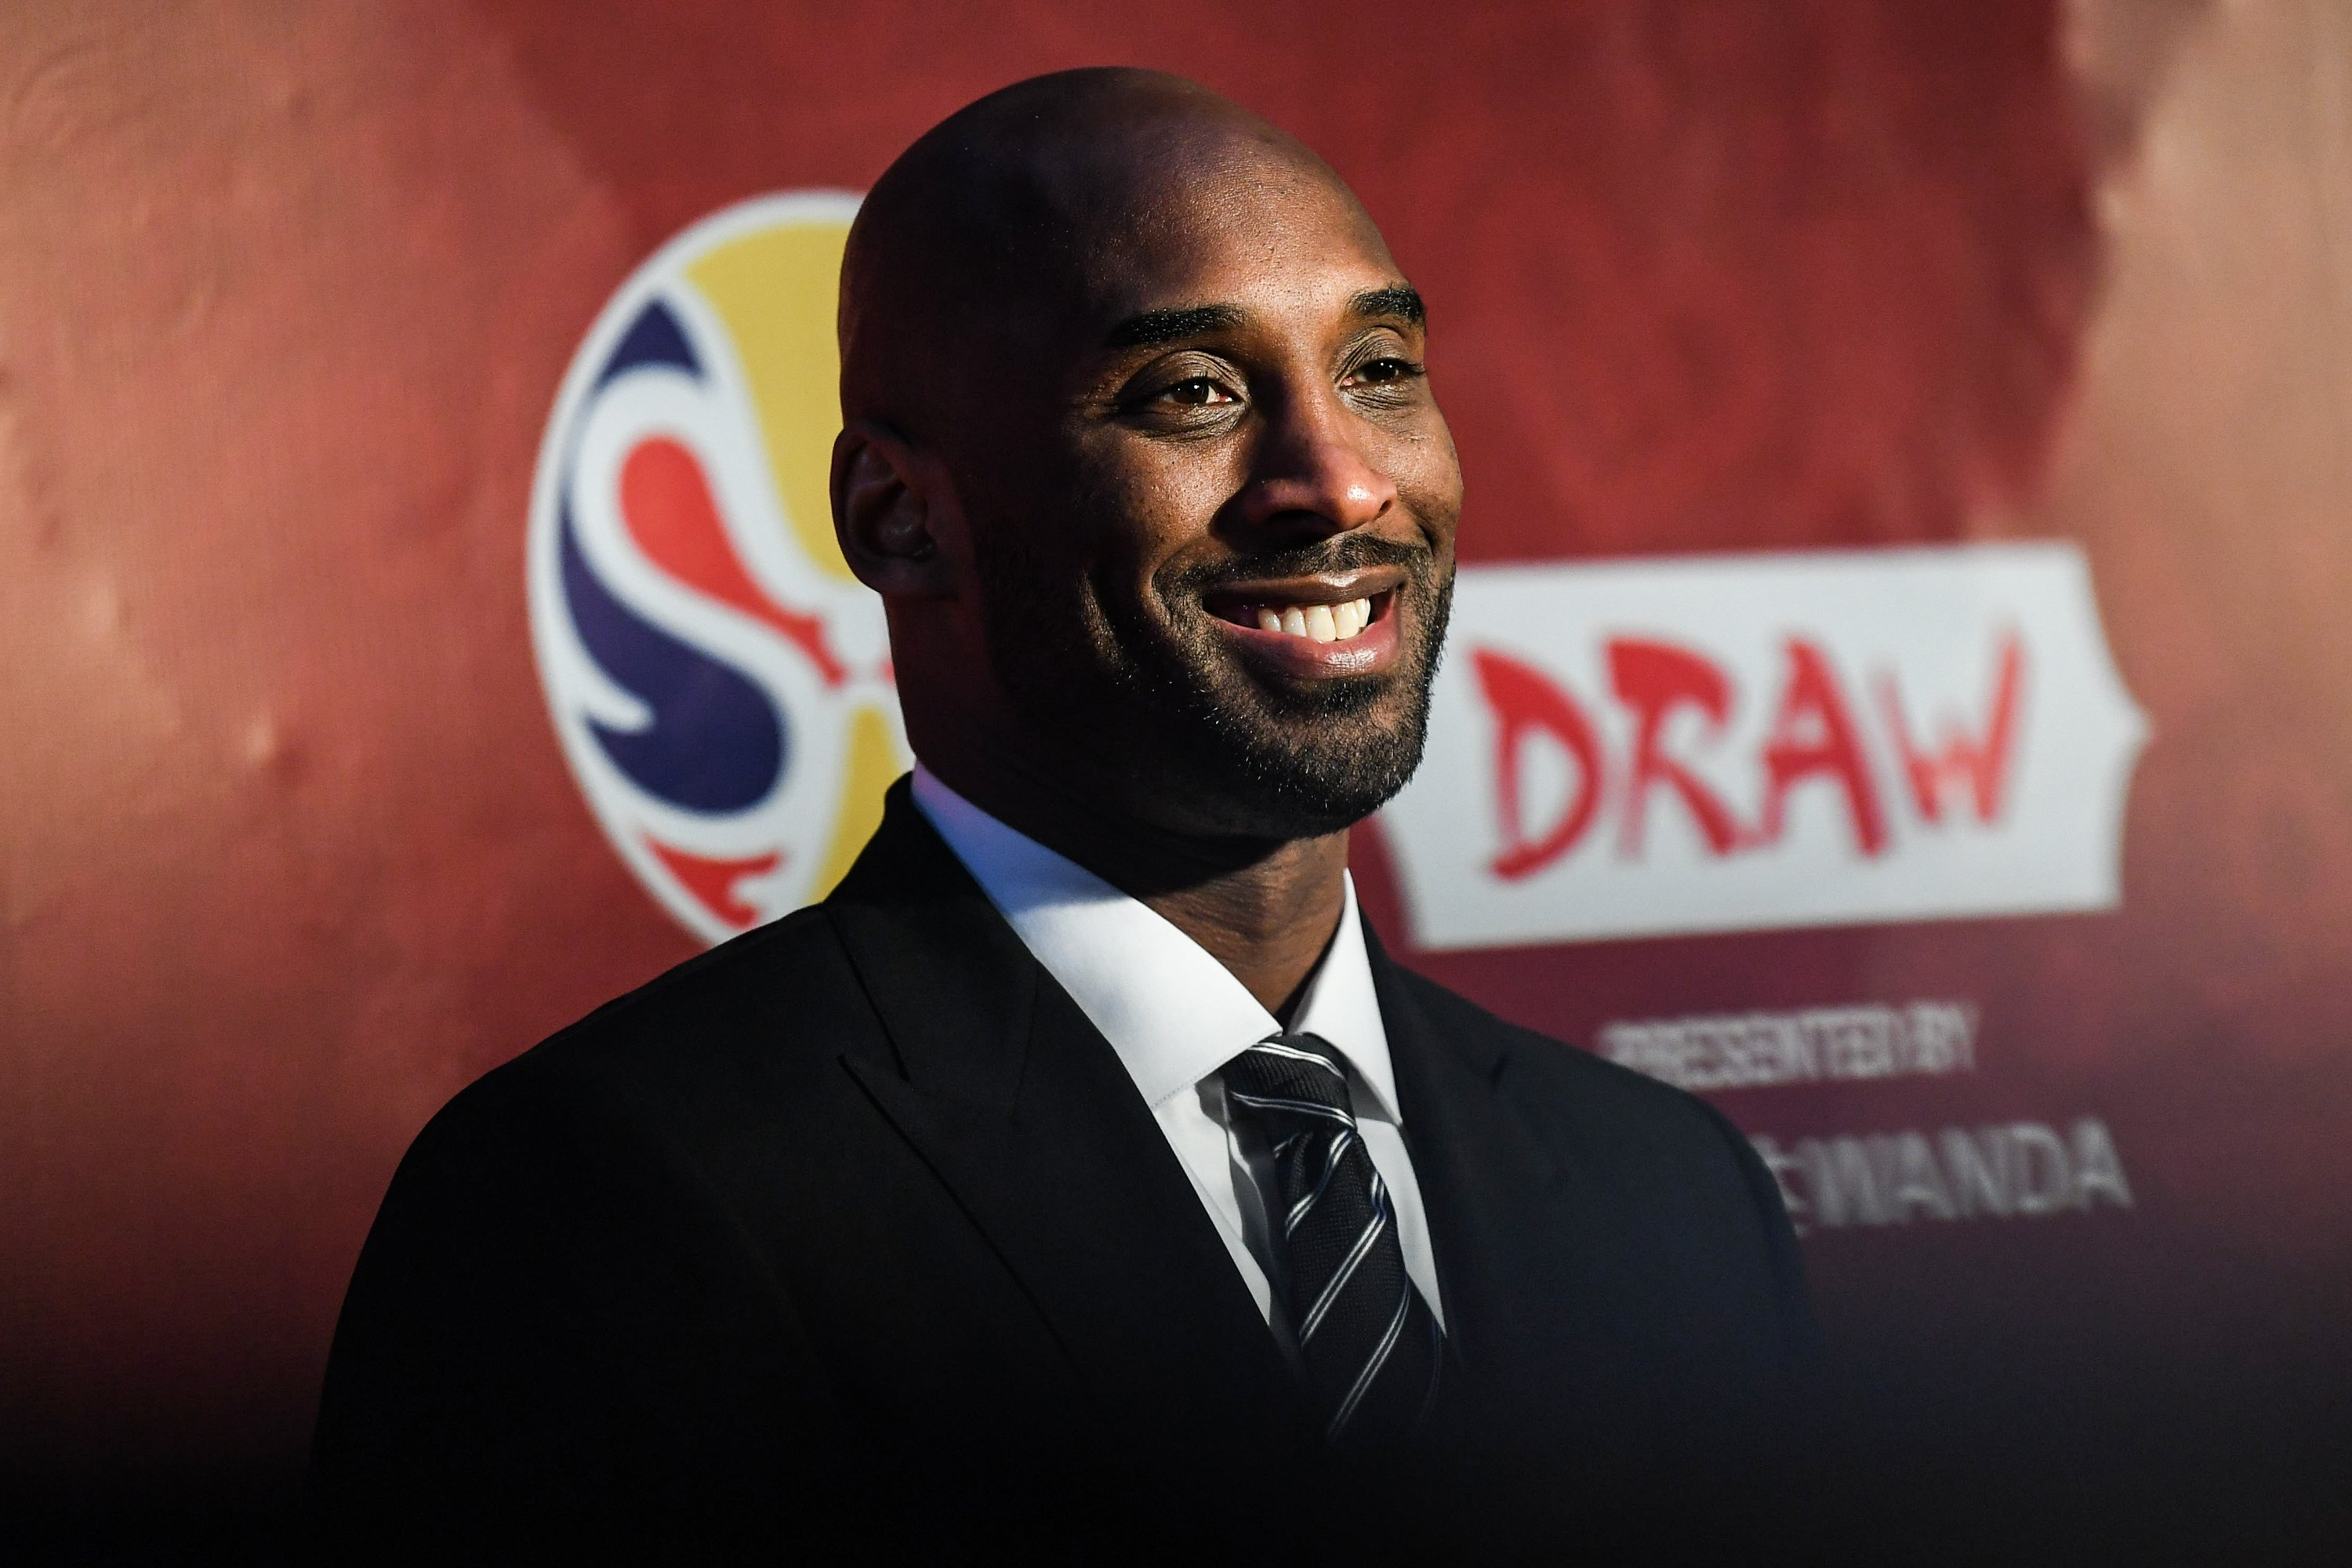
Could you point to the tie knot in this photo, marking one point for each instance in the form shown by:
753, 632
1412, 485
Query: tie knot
1290, 1074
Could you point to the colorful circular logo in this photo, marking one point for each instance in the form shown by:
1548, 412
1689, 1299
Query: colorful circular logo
720, 682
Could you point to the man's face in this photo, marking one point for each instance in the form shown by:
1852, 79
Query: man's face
1222, 570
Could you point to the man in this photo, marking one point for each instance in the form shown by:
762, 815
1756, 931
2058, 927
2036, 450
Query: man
1081, 1176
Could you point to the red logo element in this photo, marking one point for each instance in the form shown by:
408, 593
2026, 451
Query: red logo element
712, 882
666, 503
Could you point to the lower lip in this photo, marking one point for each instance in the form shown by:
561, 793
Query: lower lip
1371, 651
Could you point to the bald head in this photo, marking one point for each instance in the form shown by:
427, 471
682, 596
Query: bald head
1016, 218
1139, 453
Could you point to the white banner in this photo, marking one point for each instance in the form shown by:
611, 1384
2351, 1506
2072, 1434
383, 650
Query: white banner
1740, 743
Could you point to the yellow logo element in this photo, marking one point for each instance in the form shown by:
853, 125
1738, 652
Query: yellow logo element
720, 682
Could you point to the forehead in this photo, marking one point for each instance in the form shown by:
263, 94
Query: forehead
1247, 228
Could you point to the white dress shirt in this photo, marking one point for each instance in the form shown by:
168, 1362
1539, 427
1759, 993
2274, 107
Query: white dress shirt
1176, 1016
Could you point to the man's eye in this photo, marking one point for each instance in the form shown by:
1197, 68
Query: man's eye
1381, 370
1200, 392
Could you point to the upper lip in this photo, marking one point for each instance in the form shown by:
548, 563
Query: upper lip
1316, 588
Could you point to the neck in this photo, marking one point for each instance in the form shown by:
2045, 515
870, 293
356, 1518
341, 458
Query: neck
1265, 909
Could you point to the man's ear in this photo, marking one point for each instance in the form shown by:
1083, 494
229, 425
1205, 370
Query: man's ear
894, 513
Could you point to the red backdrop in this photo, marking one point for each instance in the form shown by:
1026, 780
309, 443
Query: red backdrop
288, 852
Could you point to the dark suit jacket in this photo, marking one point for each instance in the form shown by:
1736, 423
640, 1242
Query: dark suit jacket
852, 1235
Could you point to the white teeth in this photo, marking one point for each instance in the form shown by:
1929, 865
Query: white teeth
1318, 622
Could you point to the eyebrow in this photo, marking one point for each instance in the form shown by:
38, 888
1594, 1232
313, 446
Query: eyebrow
1149, 328
1399, 300
1153, 327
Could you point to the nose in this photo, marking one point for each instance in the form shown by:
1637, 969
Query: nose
1310, 475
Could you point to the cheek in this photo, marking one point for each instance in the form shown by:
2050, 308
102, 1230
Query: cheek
1429, 478
1147, 509
1176, 488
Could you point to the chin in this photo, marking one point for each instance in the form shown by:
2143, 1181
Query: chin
1240, 746
1267, 757
1291, 777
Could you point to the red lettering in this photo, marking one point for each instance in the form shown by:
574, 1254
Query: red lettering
1525, 704
1653, 679
1813, 735
1981, 765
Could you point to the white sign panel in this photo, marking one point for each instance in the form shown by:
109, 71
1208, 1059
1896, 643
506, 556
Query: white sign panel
1741, 743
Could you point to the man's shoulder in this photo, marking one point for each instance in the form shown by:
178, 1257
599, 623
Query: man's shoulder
753, 1024
786, 973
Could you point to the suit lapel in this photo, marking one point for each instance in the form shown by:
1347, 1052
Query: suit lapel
1511, 1225
1025, 1113
1493, 1196
1544, 1327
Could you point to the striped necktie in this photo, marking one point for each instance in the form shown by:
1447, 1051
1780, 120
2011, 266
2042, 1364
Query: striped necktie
1371, 1344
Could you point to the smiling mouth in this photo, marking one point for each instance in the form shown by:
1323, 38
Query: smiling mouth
1308, 613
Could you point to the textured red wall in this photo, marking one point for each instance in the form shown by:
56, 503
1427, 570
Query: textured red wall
288, 853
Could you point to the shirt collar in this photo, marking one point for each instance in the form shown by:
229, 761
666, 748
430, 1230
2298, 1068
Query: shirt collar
1172, 1013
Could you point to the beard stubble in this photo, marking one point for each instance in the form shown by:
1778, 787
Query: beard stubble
1261, 757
